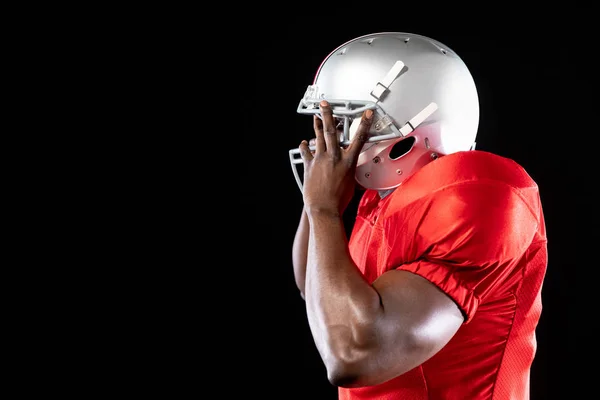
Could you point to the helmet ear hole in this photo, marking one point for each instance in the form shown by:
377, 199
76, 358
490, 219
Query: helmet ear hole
402, 147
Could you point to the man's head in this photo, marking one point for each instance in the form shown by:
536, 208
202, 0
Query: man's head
423, 95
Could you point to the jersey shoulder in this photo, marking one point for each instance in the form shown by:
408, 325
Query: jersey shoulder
479, 170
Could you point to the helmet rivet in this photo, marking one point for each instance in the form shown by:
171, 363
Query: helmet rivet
376, 160
399, 171
368, 175
434, 156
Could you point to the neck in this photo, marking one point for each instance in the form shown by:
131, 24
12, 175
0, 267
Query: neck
384, 193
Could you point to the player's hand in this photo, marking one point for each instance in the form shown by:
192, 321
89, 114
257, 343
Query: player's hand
329, 181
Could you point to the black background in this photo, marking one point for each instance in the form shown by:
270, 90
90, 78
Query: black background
536, 98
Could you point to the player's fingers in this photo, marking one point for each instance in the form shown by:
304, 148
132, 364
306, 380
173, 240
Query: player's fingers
305, 151
329, 129
319, 136
361, 136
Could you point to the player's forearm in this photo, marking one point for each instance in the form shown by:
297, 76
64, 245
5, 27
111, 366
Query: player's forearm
300, 250
342, 306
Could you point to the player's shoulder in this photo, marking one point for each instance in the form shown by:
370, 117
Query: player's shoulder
472, 167
492, 166
484, 173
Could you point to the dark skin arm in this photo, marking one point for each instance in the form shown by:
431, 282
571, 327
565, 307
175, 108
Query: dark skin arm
299, 251
365, 333
300, 245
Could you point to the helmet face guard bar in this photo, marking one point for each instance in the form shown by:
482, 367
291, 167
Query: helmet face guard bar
347, 109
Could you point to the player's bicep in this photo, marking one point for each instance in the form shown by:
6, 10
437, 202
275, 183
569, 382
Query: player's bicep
418, 320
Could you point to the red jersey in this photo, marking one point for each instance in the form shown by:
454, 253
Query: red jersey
472, 224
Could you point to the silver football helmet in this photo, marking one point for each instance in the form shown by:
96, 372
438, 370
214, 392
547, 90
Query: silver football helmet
423, 96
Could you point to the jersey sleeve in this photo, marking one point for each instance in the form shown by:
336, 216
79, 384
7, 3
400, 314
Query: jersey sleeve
468, 238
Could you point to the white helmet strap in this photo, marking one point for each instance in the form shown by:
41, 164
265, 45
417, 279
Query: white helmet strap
383, 86
381, 89
408, 127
